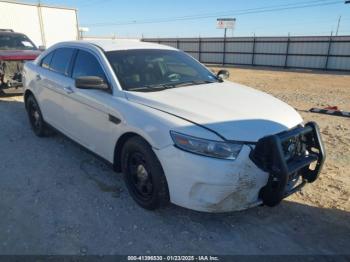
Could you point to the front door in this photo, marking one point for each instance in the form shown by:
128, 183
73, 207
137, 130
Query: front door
88, 112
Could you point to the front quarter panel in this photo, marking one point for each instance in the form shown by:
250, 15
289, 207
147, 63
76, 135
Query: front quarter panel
153, 125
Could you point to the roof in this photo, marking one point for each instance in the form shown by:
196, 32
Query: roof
123, 44
10, 33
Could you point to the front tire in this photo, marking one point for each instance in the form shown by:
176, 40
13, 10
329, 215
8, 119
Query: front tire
36, 120
144, 175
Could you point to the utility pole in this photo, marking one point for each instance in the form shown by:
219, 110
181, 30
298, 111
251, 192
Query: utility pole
224, 49
339, 19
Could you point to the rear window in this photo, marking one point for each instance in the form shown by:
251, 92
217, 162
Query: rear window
15, 42
61, 60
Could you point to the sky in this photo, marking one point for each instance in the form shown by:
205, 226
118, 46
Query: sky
175, 18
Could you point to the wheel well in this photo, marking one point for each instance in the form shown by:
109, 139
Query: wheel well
118, 149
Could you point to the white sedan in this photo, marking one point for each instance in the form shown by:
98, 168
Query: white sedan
178, 132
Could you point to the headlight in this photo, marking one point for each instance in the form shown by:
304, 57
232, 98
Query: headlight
217, 149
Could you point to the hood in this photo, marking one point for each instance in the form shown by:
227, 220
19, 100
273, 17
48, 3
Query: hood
19, 54
234, 111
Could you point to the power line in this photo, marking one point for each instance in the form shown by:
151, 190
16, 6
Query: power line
282, 25
200, 16
232, 12
225, 12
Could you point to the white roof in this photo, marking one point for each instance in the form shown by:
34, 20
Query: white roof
123, 44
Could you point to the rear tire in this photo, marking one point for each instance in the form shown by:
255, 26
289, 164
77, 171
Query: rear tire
36, 120
144, 175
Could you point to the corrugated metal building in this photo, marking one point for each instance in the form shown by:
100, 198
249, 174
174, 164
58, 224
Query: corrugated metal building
311, 52
44, 25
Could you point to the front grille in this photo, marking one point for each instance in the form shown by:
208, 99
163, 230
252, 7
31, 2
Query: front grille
294, 148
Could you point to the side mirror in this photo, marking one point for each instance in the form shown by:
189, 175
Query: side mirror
223, 74
42, 47
91, 82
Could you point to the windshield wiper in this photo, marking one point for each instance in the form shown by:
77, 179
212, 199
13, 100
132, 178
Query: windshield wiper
160, 87
195, 82
150, 88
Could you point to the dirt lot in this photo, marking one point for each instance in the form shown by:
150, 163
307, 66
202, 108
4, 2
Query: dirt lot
55, 198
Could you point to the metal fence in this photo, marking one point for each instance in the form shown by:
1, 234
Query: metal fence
308, 52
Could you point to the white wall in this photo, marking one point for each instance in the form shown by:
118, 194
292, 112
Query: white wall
59, 25
21, 18
44, 25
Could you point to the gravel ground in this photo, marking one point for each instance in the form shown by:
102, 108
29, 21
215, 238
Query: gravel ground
55, 198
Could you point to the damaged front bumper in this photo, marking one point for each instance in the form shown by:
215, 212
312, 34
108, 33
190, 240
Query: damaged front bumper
262, 174
210, 184
11, 74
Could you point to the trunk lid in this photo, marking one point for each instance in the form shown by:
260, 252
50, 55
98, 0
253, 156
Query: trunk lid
11, 55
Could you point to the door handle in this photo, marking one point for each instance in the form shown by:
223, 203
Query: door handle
68, 90
38, 77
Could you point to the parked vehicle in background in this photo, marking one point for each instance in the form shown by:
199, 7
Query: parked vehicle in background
44, 24
15, 50
178, 132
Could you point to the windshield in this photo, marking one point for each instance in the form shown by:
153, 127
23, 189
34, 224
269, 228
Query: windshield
15, 42
155, 69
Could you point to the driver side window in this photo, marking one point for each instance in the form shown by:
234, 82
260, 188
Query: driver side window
86, 64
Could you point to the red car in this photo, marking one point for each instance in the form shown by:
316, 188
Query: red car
15, 50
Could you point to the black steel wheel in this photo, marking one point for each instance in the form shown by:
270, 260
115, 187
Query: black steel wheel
143, 174
140, 176
35, 117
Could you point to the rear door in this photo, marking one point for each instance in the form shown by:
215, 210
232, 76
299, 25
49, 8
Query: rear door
52, 83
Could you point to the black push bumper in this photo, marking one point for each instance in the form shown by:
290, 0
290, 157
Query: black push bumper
287, 156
